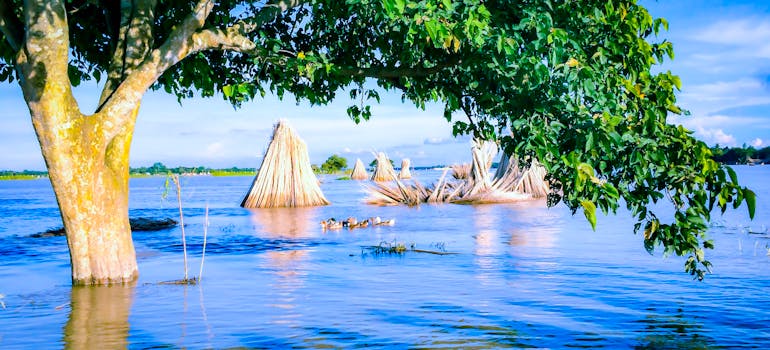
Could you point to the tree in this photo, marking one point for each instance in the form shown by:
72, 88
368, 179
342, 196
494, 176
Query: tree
570, 83
334, 163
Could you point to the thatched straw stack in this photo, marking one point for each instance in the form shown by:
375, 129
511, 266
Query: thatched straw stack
384, 170
359, 172
509, 184
285, 178
405, 173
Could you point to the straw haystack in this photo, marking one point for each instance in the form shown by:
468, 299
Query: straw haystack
405, 173
285, 178
384, 170
359, 172
509, 184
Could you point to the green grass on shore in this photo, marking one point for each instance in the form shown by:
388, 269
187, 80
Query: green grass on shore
20, 177
232, 173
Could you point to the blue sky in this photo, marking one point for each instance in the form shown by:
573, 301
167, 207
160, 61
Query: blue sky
722, 55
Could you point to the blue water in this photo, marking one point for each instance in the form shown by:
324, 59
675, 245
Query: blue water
523, 276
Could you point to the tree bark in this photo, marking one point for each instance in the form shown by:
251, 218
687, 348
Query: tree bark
90, 180
86, 155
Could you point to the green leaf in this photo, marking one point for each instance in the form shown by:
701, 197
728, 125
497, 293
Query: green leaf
589, 210
733, 175
228, 90
751, 201
611, 191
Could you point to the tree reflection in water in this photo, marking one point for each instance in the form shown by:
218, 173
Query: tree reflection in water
99, 317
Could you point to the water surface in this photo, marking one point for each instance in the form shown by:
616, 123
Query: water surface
523, 276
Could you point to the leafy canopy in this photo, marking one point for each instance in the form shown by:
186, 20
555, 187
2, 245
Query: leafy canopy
572, 83
334, 163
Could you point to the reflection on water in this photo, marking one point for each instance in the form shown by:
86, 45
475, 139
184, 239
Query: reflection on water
487, 243
99, 317
285, 222
540, 230
288, 266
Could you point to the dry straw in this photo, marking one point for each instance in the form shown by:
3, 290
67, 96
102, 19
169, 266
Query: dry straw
405, 173
509, 184
384, 170
461, 171
359, 171
285, 178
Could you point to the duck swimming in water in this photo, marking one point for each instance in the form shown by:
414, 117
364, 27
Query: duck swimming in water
331, 224
351, 223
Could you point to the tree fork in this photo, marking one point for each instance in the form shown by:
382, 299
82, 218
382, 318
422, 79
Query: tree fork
90, 180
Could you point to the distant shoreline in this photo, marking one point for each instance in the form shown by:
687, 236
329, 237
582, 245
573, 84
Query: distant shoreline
8, 175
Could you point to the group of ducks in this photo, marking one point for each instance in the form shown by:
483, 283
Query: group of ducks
352, 223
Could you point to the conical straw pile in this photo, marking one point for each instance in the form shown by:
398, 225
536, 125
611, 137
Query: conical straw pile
359, 172
405, 173
285, 178
384, 170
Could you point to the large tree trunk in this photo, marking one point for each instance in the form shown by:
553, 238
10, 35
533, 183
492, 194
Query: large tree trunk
86, 155
90, 180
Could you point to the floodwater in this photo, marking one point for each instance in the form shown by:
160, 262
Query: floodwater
523, 276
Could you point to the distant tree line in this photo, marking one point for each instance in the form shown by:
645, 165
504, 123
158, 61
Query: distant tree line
155, 169
24, 173
741, 155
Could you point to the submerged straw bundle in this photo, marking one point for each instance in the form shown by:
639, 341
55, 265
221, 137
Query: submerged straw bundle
461, 171
359, 172
508, 185
384, 170
285, 178
405, 173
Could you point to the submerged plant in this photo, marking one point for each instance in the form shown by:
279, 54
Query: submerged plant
186, 280
400, 248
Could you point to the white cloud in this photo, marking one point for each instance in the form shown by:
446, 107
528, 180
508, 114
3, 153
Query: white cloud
740, 31
215, 149
751, 36
715, 121
757, 142
714, 136
720, 95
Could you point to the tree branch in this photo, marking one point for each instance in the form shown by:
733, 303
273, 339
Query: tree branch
43, 59
118, 105
133, 42
187, 39
11, 26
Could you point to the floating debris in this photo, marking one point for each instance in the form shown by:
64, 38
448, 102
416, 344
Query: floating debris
399, 248
137, 225
185, 281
